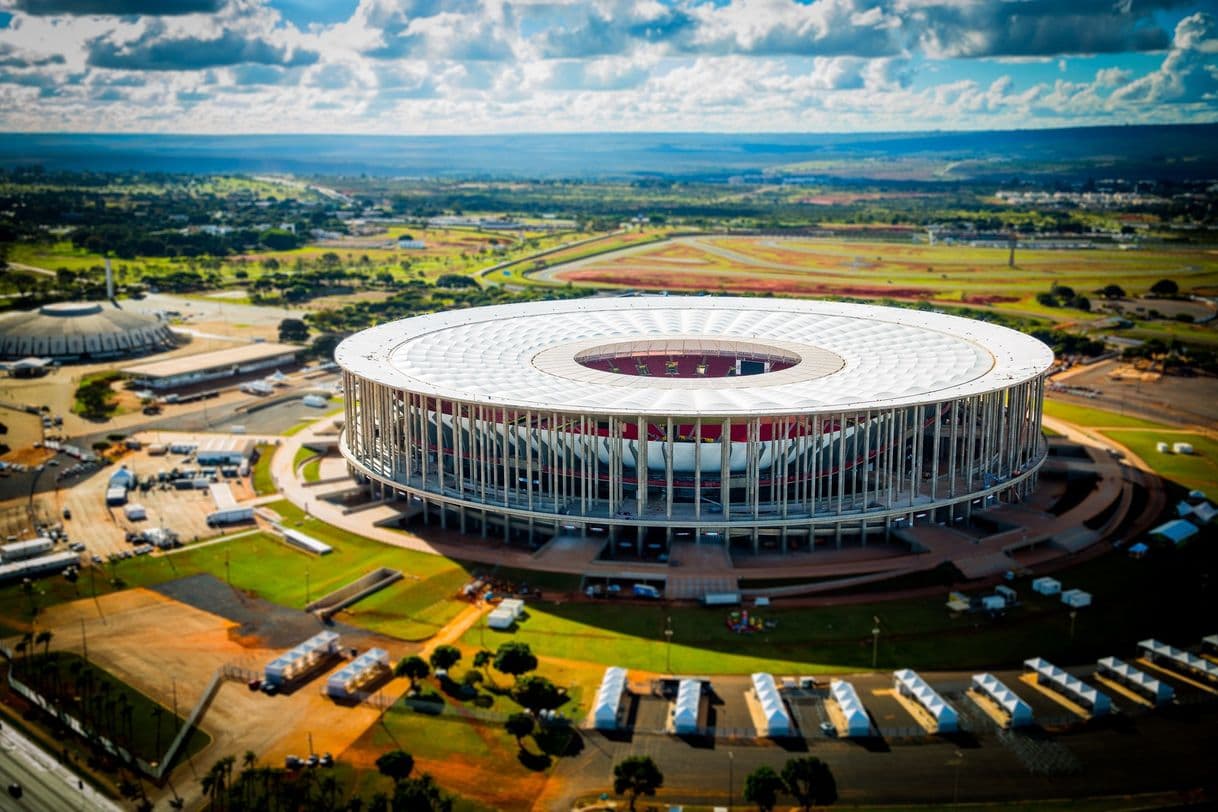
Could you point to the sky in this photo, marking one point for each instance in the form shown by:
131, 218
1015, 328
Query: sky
525, 66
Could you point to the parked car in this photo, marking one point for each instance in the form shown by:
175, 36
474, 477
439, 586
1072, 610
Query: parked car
254, 684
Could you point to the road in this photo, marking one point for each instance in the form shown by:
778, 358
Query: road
47, 784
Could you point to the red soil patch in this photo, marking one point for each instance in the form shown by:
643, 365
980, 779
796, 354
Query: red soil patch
986, 299
677, 280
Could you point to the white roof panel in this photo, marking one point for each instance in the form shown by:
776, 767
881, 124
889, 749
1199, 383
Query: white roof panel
852, 355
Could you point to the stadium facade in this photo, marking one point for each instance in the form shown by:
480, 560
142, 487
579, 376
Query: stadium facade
787, 423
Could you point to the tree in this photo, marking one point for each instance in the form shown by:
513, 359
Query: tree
396, 765
635, 776
483, 658
537, 694
515, 659
414, 668
293, 330
421, 795
1165, 287
519, 725
809, 781
1080, 303
44, 638
444, 657
762, 787
1112, 292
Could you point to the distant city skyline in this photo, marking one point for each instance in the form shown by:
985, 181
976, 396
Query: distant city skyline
498, 66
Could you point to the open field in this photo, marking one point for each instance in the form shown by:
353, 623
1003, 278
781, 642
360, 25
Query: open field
1198, 470
950, 274
1090, 417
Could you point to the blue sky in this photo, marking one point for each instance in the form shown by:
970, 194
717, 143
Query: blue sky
493, 66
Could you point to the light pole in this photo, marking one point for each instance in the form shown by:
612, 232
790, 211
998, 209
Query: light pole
875, 642
668, 648
956, 786
731, 763
308, 594
1073, 615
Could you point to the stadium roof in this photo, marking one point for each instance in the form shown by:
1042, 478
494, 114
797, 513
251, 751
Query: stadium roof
80, 330
853, 356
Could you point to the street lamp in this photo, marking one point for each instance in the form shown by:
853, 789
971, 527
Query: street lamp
875, 642
956, 787
1073, 615
731, 763
668, 648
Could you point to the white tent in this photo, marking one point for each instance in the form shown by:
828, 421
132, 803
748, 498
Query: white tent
1176, 531
1124, 673
513, 605
287, 667
857, 722
1019, 713
685, 709
134, 512
1047, 586
1069, 686
1183, 660
907, 682
609, 698
501, 619
1210, 643
359, 672
778, 721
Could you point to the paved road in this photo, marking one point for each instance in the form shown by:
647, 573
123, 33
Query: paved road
47, 785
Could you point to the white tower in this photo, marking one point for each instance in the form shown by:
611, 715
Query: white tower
109, 281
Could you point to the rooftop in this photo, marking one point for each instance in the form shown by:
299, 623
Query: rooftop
209, 360
848, 356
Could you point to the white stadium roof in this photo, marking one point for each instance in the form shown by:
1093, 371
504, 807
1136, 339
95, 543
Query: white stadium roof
853, 355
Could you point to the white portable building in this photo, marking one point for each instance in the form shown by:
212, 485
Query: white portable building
907, 682
513, 605
1204, 513
30, 567
685, 709
290, 665
116, 496
227, 511
1046, 586
1120, 671
1010, 595
1209, 644
1019, 713
135, 512
993, 603
314, 401
304, 542
1182, 448
609, 698
1182, 660
359, 672
1076, 598
1069, 686
21, 550
1177, 531
500, 618
855, 716
1162, 447
777, 720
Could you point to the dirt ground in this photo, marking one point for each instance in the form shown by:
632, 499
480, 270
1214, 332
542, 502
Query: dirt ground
169, 650
1187, 399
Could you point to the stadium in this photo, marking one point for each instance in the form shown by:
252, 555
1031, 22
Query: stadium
793, 423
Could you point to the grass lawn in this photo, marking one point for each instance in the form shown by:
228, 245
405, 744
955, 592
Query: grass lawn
99, 700
411, 609
312, 470
1133, 598
263, 484
1090, 417
1198, 470
299, 427
302, 454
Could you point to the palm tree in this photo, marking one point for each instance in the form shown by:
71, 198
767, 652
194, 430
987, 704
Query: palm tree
44, 637
413, 668
27, 646
482, 659
157, 713
809, 781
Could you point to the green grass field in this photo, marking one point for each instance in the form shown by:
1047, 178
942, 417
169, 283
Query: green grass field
1198, 470
261, 474
1090, 417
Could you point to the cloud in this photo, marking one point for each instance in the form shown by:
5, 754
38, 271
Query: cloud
156, 50
118, 7
1187, 73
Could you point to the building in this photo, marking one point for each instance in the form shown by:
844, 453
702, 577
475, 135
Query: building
173, 373
68, 332
801, 421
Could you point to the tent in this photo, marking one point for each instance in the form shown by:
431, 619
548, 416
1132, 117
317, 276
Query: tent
122, 478
1177, 531
500, 619
1069, 686
609, 698
1124, 673
1047, 586
857, 722
907, 682
1138, 550
685, 709
1204, 513
1179, 659
1019, 713
1183, 509
134, 512
777, 720
359, 672
513, 605
287, 667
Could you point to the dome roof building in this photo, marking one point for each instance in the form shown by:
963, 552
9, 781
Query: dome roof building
81, 331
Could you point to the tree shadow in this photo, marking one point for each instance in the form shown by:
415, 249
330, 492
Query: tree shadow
536, 762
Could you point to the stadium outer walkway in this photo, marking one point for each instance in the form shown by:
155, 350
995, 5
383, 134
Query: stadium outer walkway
473, 549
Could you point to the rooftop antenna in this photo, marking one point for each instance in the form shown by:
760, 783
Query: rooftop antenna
109, 280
